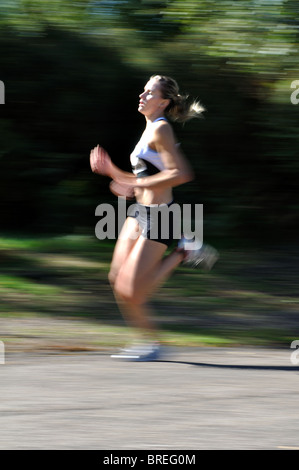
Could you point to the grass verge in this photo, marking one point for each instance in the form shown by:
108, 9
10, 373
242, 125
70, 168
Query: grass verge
50, 285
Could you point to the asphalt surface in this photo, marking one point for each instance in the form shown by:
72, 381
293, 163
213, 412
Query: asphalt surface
209, 398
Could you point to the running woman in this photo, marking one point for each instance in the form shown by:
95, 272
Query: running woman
138, 265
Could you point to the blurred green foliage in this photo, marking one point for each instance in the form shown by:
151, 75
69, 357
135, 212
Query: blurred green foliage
73, 71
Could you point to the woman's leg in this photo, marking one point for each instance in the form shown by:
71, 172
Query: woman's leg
163, 270
137, 268
127, 239
142, 271
145, 269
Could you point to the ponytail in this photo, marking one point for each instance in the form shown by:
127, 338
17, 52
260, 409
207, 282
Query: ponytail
179, 109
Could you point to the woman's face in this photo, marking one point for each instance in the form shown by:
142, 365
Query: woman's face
151, 101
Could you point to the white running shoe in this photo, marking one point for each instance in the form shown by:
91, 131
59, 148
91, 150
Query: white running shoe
204, 257
139, 353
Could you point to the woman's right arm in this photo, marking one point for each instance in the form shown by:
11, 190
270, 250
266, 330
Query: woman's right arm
102, 164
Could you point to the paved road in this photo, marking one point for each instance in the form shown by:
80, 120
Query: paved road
210, 398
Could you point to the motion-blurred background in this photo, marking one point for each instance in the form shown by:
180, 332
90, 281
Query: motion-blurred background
73, 71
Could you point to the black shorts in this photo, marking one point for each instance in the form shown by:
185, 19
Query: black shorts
159, 222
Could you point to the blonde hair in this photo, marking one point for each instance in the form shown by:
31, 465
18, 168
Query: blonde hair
179, 108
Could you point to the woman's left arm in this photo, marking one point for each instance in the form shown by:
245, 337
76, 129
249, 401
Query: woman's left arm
177, 170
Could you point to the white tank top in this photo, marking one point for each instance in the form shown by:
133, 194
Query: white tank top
144, 160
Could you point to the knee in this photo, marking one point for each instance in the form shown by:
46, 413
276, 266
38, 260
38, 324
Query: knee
127, 291
116, 283
112, 277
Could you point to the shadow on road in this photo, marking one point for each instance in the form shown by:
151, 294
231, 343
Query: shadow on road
237, 366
